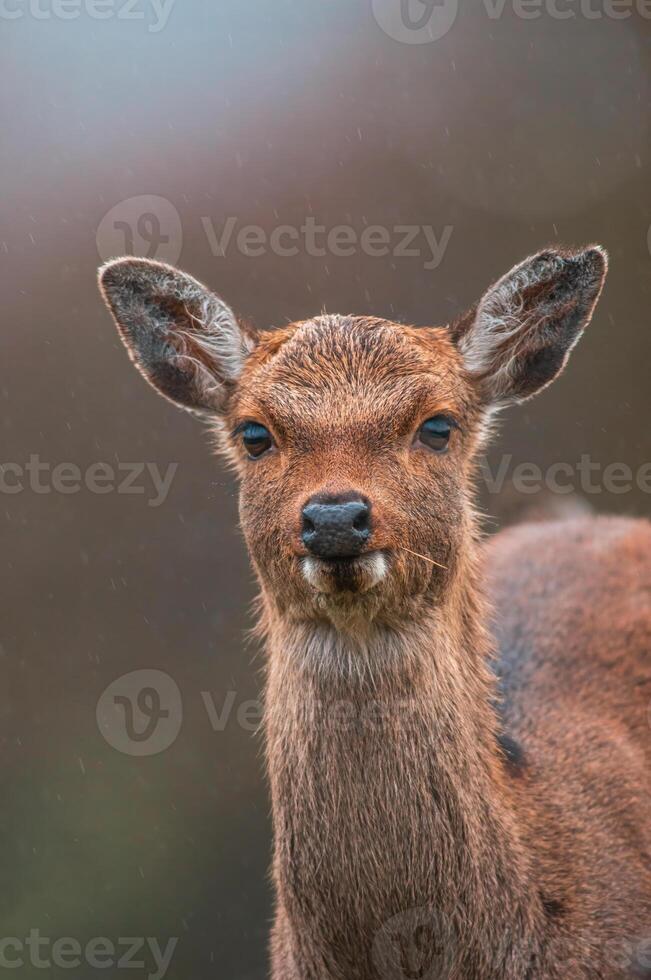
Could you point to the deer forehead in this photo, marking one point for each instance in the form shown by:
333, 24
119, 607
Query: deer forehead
335, 372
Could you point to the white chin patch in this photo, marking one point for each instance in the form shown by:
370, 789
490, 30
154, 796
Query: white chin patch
354, 575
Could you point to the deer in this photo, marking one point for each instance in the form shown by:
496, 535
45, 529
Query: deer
456, 728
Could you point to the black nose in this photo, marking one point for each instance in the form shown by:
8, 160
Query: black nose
336, 527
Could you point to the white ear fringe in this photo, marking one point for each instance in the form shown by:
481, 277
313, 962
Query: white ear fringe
499, 315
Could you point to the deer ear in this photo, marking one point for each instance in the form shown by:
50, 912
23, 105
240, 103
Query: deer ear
185, 341
519, 336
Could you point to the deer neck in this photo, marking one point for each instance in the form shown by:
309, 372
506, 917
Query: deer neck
390, 800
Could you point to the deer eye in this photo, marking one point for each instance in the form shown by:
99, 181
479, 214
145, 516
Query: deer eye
435, 433
257, 439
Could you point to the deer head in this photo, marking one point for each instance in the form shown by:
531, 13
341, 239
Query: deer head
354, 438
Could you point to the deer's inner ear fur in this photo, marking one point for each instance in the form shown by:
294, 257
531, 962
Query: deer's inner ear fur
182, 337
519, 336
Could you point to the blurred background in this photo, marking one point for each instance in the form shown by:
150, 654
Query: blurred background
483, 132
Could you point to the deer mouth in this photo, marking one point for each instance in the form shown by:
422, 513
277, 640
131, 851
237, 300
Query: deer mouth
354, 573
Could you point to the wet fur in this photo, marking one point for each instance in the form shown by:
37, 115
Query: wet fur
458, 756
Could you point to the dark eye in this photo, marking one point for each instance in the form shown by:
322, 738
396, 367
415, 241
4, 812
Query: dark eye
435, 433
256, 438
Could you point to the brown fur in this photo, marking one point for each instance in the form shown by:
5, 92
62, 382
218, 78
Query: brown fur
457, 792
